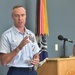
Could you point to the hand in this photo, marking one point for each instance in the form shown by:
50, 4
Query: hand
23, 43
35, 62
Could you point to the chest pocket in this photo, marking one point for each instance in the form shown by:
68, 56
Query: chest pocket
14, 44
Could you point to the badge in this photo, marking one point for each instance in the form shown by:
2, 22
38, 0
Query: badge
31, 38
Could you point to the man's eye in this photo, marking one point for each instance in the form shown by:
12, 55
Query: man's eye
16, 15
22, 15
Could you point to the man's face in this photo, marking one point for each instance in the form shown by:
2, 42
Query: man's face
19, 17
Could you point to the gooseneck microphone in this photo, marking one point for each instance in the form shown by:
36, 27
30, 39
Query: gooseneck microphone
60, 37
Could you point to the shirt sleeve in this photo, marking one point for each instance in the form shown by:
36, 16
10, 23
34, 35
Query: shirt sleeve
4, 44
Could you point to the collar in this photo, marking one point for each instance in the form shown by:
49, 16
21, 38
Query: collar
16, 31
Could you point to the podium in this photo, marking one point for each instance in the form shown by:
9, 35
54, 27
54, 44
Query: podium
58, 66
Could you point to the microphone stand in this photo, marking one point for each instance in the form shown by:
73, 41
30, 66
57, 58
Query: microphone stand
64, 56
64, 48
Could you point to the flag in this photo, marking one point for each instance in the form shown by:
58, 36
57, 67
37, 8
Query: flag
41, 17
42, 28
43, 48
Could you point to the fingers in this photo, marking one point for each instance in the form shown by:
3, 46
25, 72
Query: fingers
36, 56
23, 42
35, 62
25, 38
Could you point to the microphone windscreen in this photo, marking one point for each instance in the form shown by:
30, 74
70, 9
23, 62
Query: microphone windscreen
60, 37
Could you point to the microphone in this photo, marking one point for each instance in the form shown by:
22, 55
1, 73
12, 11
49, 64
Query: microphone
60, 37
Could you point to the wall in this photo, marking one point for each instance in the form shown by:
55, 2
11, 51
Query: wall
61, 19
61, 16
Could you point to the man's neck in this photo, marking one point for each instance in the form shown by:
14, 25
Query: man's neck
21, 29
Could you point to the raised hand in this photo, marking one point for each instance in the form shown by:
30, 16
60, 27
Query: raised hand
23, 43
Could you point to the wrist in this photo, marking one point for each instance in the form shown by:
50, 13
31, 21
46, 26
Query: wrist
17, 49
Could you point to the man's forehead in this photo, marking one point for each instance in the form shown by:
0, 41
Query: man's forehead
19, 10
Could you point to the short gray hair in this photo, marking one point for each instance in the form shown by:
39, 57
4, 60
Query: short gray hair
17, 6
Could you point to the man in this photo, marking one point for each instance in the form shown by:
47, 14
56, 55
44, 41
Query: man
74, 50
18, 46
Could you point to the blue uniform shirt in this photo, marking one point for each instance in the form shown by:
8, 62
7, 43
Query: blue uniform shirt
11, 39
